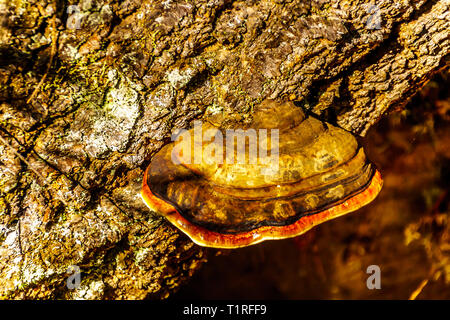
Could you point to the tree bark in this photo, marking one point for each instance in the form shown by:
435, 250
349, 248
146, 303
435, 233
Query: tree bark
90, 90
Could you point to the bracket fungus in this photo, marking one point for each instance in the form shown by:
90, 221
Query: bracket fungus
286, 173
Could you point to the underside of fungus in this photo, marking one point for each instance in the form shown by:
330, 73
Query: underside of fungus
277, 177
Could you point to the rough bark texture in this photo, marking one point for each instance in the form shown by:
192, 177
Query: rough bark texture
82, 111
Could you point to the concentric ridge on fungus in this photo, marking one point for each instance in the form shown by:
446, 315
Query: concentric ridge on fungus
320, 173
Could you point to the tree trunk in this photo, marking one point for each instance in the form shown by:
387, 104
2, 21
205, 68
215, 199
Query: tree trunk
90, 90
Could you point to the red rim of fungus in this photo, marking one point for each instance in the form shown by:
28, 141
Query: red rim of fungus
204, 237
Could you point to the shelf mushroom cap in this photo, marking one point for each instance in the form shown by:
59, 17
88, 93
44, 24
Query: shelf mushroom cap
280, 175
